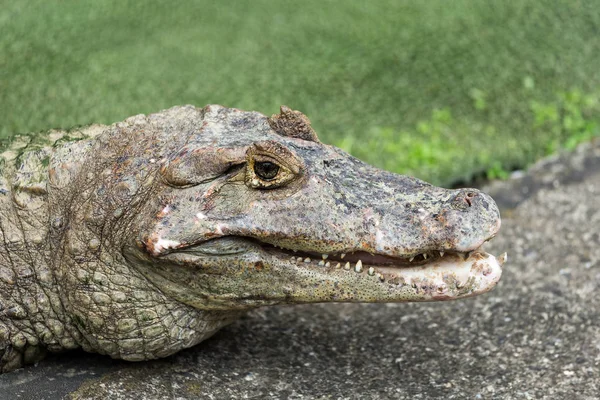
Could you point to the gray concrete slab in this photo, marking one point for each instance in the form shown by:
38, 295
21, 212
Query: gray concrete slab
536, 336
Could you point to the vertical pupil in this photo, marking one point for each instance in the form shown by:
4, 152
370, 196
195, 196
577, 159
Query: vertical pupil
266, 169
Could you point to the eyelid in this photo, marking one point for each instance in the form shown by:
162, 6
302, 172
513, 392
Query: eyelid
266, 158
276, 152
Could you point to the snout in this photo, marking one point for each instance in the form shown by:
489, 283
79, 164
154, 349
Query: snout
432, 219
475, 218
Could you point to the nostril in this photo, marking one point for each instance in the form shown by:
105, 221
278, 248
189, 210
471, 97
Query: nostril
465, 198
469, 196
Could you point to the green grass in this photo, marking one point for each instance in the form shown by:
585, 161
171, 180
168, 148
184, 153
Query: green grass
442, 90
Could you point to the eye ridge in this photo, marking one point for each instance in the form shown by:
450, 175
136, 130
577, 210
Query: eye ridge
266, 170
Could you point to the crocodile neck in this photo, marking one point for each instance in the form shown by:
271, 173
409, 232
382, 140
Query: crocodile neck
31, 313
62, 274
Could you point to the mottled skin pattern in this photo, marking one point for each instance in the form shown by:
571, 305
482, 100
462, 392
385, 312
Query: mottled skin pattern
145, 237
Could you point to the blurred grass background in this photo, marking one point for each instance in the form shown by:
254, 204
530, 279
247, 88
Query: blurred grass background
442, 90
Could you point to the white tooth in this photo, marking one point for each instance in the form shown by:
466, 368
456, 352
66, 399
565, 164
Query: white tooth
343, 255
324, 256
371, 271
328, 264
299, 259
441, 254
381, 278
502, 258
424, 256
347, 266
293, 259
321, 263
411, 259
358, 267
307, 260
338, 266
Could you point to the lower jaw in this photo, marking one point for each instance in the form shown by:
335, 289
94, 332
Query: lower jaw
449, 277
477, 274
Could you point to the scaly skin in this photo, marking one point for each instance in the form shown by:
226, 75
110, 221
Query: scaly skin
145, 237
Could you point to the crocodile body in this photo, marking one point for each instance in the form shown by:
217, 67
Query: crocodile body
145, 237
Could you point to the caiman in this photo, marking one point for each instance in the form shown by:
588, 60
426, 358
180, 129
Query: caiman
142, 238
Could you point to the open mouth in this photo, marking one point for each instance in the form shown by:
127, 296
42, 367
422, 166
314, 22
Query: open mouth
386, 266
351, 276
383, 266
360, 258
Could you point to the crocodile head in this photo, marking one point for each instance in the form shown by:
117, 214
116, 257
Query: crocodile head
256, 211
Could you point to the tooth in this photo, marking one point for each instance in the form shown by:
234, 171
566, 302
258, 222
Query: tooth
371, 271
343, 255
381, 278
328, 264
347, 266
321, 263
502, 258
307, 260
338, 266
411, 259
441, 254
424, 256
324, 256
358, 267
293, 259
299, 259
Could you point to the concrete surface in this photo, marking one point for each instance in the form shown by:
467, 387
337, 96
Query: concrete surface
536, 336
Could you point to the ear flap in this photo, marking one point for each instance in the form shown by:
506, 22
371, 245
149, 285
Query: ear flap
192, 167
293, 124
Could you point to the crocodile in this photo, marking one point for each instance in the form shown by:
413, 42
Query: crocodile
144, 237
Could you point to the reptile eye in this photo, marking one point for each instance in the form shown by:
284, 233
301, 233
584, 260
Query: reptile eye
266, 170
270, 165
